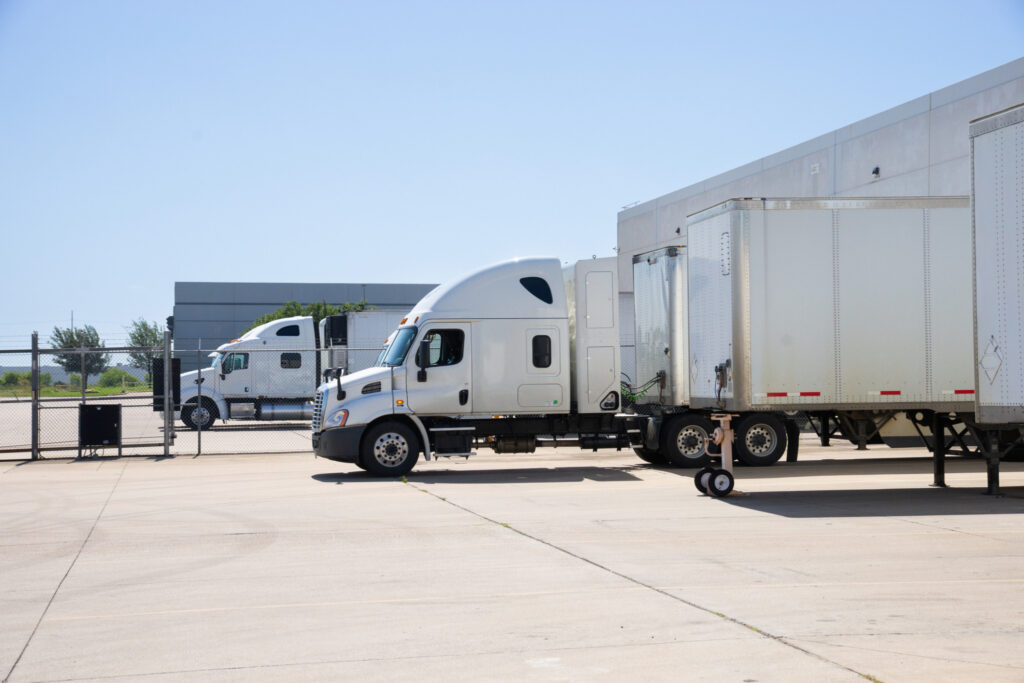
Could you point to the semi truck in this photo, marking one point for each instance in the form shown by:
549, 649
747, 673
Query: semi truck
271, 372
521, 354
997, 199
849, 311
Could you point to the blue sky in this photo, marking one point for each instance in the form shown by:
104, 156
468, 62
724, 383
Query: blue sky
143, 143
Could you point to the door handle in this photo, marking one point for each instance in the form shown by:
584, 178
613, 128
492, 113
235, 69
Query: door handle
464, 397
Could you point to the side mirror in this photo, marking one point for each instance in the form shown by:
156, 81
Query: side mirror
422, 359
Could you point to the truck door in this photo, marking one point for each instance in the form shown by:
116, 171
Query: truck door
444, 385
235, 379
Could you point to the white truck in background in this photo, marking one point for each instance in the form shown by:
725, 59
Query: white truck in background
271, 372
520, 354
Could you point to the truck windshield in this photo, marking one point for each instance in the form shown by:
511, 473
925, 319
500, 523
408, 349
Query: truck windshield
395, 353
216, 359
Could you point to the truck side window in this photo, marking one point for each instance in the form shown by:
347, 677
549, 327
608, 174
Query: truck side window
445, 347
542, 351
539, 287
235, 361
291, 361
288, 331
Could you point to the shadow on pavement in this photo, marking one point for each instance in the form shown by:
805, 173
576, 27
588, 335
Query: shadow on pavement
915, 502
520, 475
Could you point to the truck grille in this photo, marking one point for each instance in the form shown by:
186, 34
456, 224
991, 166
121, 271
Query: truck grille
318, 410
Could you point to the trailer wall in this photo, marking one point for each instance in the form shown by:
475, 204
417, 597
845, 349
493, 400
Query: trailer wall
840, 303
997, 193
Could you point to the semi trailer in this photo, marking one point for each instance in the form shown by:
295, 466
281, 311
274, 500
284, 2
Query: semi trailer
515, 356
997, 219
849, 311
271, 372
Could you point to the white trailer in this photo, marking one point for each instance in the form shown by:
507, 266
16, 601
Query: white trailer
271, 372
854, 309
520, 354
997, 204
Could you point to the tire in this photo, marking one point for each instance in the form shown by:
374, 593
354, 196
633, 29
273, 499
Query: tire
648, 455
389, 449
684, 440
702, 478
720, 483
199, 418
760, 439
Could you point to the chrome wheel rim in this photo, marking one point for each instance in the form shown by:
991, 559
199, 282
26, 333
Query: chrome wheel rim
390, 449
691, 441
760, 440
201, 417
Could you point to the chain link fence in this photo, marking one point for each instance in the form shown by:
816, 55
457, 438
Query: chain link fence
251, 400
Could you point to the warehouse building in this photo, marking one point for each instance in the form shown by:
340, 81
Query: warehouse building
919, 148
212, 313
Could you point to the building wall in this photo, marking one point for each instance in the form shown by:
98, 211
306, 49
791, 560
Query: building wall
217, 312
921, 148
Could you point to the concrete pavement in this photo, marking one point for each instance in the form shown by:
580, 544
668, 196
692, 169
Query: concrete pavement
553, 566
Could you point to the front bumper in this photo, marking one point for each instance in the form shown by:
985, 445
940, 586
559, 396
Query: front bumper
340, 443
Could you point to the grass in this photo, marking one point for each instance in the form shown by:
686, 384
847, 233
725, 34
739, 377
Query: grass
63, 390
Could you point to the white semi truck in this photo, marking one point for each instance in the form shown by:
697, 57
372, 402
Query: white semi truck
271, 372
521, 354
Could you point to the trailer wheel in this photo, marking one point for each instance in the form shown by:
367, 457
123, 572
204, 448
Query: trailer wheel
199, 418
389, 449
720, 483
703, 478
684, 440
760, 439
649, 455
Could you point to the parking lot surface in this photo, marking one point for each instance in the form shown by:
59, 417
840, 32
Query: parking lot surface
562, 565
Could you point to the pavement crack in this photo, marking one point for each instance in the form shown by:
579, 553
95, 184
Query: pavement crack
74, 561
733, 620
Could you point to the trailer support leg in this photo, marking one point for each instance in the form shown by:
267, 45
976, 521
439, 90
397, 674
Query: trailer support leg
992, 455
826, 428
939, 449
862, 436
793, 441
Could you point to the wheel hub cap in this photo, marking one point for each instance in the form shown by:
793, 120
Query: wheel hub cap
760, 440
391, 449
691, 440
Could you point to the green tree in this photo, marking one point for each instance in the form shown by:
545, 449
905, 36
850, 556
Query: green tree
76, 338
116, 377
142, 333
318, 311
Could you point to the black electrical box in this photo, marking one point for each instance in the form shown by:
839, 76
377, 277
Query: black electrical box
99, 424
158, 383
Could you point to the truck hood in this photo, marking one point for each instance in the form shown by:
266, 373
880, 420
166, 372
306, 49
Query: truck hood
188, 379
354, 384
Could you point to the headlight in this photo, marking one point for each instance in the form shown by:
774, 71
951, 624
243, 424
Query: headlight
337, 419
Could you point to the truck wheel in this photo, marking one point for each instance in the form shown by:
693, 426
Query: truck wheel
684, 440
202, 417
649, 455
760, 439
389, 449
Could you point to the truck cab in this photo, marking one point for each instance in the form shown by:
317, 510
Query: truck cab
270, 372
495, 358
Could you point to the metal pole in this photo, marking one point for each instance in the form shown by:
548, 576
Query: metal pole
82, 376
35, 395
199, 395
939, 449
168, 395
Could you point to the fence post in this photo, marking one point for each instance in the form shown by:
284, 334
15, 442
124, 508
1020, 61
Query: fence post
168, 394
199, 395
82, 381
35, 395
